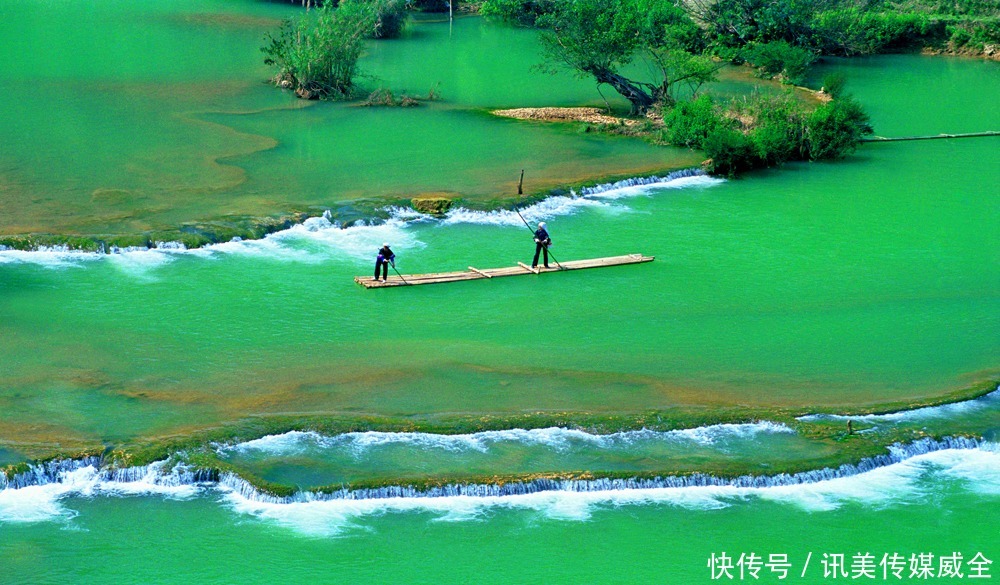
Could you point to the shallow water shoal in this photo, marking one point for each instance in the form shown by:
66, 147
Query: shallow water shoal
101, 140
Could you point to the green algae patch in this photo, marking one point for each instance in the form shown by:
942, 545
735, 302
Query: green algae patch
431, 205
10, 471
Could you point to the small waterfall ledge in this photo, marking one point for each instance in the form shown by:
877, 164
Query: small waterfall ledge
156, 474
641, 181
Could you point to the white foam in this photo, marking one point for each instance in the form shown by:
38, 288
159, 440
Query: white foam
908, 478
141, 263
708, 435
49, 257
978, 469
37, 503
317, 239
944, 411
894, 484
634, 188
556, 438
590, 197
551, 207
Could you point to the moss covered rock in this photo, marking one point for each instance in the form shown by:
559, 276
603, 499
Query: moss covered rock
431, 205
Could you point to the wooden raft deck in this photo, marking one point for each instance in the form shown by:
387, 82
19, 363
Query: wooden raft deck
487, 273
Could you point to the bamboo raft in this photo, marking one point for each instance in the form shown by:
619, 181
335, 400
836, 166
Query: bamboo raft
487, 273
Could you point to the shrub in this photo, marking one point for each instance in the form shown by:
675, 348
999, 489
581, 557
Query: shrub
730, 151
778, 58
778, 130
381, 19
385, 98
836, 128
317, 55
689, 122
833, 84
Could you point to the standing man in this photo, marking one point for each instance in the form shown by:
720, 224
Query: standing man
542, 243
384, 258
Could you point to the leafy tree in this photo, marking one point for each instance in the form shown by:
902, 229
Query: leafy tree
734, 23
600, 38
856, 31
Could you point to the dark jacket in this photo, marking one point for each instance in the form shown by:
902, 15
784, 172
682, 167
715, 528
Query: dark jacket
384, 253
542, 237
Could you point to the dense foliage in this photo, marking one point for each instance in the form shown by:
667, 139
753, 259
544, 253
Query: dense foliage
317, 54
849, 27
833, 27
762, 131
779, 59
524, 12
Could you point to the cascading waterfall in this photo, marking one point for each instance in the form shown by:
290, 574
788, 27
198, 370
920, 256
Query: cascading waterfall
58, 471
641, 181
181, 475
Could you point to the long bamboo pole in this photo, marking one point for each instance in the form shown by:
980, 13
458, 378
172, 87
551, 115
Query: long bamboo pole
934, 137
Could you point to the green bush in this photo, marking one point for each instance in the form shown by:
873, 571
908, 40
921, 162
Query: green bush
778, 58
836, 128
730, 151
973, 34
958, 36
317, 54
778, 131
389, 16
689, 122
833, 84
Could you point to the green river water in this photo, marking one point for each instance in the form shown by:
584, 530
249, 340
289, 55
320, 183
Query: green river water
832, 287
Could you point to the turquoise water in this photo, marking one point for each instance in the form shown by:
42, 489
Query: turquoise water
124, 118
837, 286
803, 287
